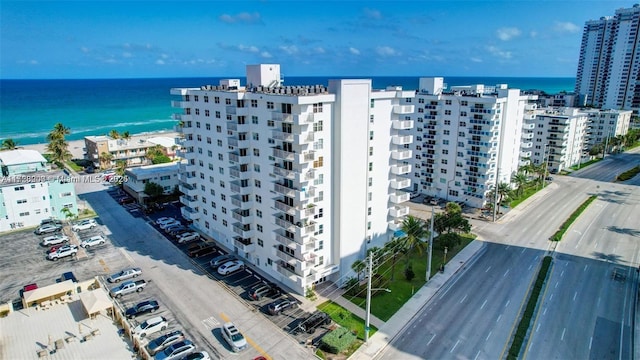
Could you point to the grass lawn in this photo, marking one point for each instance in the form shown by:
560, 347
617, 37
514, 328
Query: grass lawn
384, 304
526, 193
74, 166
583, 165
346, 319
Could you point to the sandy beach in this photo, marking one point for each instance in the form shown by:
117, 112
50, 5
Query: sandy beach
76, 147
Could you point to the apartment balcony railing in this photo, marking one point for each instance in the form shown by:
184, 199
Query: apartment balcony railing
402, 140
187, 189
399, 211
180, 104
527, 136
189, 201
399, 183
242, 216
400, 169
280, 205
237, 201
287, 174
526, 145
528, 126
190, 213
284, 190
278, 116
286, 271
403, 154
395, 225
399, 197
238, 189
243, 230
403, 109
282, 136
525, 154
244, 244
283, 154
402, 124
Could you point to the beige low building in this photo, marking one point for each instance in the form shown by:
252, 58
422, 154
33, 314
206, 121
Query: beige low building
165, 175
105, 151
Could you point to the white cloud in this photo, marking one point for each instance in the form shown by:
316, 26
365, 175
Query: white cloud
33, 62
506, 55
475, 59
567, 27
319, 50
533, 34
354, 51
164, 56
126, 54
251, 49
244, 17
85, 49
386, 51
507, 33
266, 55
289, 49
372, 13
160, 62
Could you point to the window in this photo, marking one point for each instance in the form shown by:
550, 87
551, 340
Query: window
259, 199
257, 183
22, 201
318, 163
260, 243
370, 150
224, 222
317, 108
227, 101
447, 122
219, 142
369, 211
317, 126
197, 113
217, 114
256, 136
370, 166
447, 112
270, 123
254, 103
256, 167
371, 135
259, 213
373, 103
370, 181
254, 119
222, 184
216, 100
447, 102
371, 117
446, 132
270, 105
218, 129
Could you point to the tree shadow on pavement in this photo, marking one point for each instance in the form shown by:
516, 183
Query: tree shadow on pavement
624, 231
613, 258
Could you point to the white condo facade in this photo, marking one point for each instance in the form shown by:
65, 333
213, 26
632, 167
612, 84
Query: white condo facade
298, 181
609, 61
466, 138
605, 124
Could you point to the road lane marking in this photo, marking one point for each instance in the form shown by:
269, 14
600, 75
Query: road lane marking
545, 311
523, 249
598, 304
585, 268
590, 341
562, 273
433, 337
478, 354
104, 265
499, 317
530, 266
463, 299
488, 336
557, 282
563, 331
454, 346
488, 269
596, 245
538, 327
483, 304
551, 297
506, 272
507, 304
574, 295
253, 344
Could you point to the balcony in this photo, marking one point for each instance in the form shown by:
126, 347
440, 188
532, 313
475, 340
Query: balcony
243, 216
288, 258
287, 174
525, 154
400, 169
399, 211
399, 197
283, 190
189, 201
187, 168
282, 136
190, 213
243, 230
527, 136
288, 209
180, 104
528, 126
244, 244
402, 140
287, 271
306, 137
283, 154
526, 145
239, 189
306, 157
401, 154
285, 240
233, 126
237, 201
278, 116
403, 109
395, 225
402, 124
188, 189
399, 183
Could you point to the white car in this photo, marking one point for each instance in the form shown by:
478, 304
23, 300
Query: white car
230, 267
176, 351
169, 223
124, 275
84, 225
63, 251
150, 326
55, 240
234, 337
165, 219
93, 241
187, 237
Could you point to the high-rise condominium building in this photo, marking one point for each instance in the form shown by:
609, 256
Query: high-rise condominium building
298, 181
609, 65
606, 124
466, 138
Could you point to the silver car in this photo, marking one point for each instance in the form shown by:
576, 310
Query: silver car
124, 275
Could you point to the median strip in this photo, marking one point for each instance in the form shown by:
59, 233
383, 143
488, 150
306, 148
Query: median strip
567, 223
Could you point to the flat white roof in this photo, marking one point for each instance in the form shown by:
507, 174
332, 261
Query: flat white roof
17, 157
147, 170
163, 141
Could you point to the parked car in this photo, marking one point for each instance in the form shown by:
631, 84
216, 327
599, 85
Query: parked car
161, 342
200, 249
169, 223
218, 261
281, 305
174, 230
176, 351
164, 219
51, 221
29, 287
310, 324
47, 229
126, 200
67, 276
414, 195
233, 337
263, 290
128, 287
200, 355
54, 248
144, 307
150, 326
124, 275
187, 237
55, 240
231, 267
63, 251
84, 225
93, 241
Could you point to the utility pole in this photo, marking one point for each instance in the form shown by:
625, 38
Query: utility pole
428, 276
366, 325
495, 194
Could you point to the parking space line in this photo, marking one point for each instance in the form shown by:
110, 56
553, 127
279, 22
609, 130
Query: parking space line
104, 265
249, 340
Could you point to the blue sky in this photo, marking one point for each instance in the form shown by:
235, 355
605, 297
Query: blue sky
122, 39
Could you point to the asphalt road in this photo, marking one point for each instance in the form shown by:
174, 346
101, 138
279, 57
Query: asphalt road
606, 170
586, 311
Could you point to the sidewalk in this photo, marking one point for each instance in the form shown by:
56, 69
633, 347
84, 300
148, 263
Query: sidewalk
389, 330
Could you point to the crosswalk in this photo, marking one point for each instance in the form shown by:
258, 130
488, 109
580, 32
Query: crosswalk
210, 323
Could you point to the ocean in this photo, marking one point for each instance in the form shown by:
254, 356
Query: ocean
30, 108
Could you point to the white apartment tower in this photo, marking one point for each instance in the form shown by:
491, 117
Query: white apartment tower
465, 139
605, 124
298, 181
609, 63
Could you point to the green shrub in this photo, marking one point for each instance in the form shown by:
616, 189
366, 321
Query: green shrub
628, 174
565, 226
337, 340
408, 273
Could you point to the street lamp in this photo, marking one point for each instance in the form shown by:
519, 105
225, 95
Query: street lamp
368, 317
544, 159
428, 275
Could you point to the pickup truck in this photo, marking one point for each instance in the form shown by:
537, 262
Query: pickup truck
127, 287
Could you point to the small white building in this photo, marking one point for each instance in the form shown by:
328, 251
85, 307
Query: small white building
21, 161
165, 175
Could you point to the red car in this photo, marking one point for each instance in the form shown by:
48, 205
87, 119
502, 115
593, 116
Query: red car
54, 248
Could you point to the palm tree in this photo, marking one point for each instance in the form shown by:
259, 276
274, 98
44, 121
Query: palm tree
114, 134
394, 248
126, 136
503, 191
358, 267
520, 180
59, 132
8, 144
415, 231
105, 159
121, 166
58, 146
526, 169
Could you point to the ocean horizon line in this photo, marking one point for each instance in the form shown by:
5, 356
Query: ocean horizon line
293, 76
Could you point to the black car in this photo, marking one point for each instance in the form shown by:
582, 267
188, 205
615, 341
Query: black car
281, 305
177, 230
310, 324
263, 290
144, 307
200, 249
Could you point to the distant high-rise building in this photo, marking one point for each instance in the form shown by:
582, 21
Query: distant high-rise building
609, 66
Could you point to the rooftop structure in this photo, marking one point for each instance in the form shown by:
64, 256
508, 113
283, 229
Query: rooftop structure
14, 162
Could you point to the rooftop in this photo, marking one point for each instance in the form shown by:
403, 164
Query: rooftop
150, 170
36, 177
17, 157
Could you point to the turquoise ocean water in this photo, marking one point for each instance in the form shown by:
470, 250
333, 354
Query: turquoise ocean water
30, 108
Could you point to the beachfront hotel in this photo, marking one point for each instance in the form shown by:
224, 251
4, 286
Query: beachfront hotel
609, 62
467, 139
298, 181
30, 192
